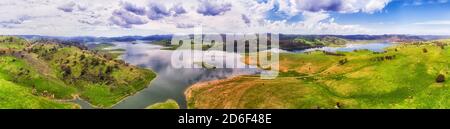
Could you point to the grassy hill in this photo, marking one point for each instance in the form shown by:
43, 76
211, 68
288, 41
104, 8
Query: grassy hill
410, 75
57, 70
14, 96
325, 41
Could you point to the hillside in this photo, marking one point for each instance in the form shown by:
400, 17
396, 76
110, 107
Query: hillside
410, 75
57, 70
304, 42
16, 96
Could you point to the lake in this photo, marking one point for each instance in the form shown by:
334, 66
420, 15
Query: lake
172, 82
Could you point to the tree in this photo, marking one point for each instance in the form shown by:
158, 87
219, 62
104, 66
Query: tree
82, 57
109, 69
66, 71
440, 78
95, 62
424, 50
338, 105
343, 61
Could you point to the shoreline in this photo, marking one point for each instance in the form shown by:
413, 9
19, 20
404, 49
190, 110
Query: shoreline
189, 89
109, 107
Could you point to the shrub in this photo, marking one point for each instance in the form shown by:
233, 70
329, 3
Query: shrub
82, 57
440, 78
343, 61
424, 50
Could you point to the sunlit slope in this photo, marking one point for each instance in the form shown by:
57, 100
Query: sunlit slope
26, 91
62, 71
14, 96
402, 77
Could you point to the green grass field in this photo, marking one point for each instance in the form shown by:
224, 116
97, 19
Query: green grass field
29, 91
14, 96
402, 77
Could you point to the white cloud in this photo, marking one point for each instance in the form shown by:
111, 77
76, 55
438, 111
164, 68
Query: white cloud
146, 17
374, 5
126, 19
213, 7
342, 6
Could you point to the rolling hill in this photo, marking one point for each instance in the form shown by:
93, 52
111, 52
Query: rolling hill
62, 71
408, 75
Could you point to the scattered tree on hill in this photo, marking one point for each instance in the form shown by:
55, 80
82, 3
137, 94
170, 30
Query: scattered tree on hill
383, 58
440, 44
66, 71
343, 61
424, 50
440, 78
109, 69
83, 71
95, 62
82, 57
338, 105
10, 39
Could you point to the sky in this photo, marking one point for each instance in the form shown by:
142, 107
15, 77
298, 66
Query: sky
149, 17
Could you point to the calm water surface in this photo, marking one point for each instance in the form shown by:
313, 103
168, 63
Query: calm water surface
172, 82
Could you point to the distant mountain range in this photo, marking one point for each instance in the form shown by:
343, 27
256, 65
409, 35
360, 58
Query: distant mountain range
391, 38
282, 37
100, 39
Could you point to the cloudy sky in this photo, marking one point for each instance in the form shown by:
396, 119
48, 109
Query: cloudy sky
147, 17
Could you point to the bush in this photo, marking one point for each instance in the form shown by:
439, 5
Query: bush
343, 61
425, 50
440, 78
